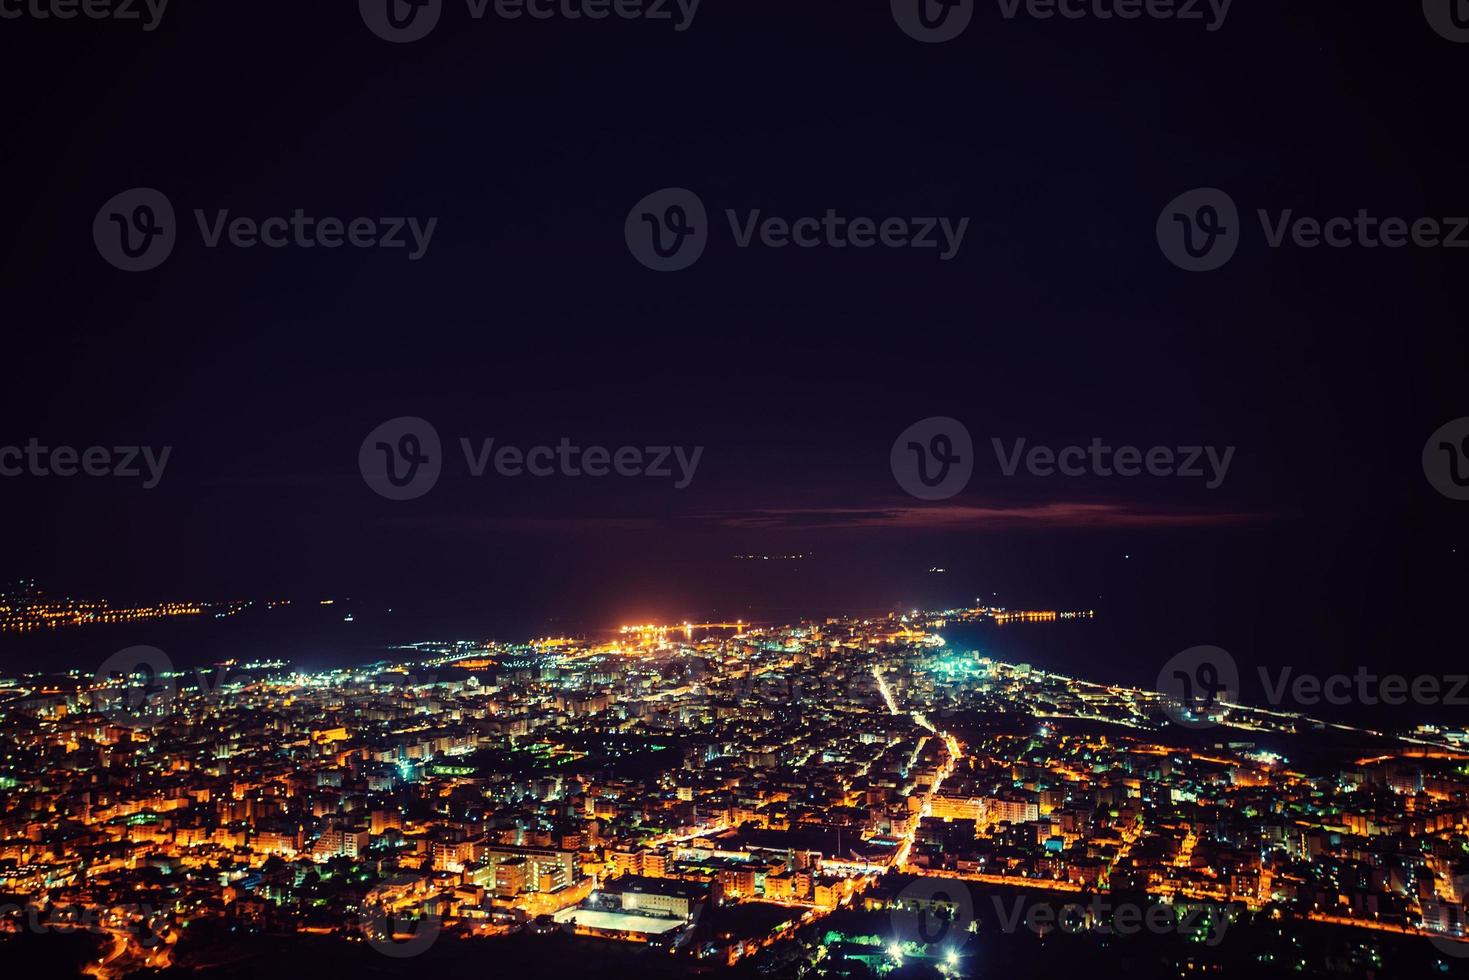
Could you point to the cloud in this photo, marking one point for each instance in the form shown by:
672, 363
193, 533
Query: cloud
979, 517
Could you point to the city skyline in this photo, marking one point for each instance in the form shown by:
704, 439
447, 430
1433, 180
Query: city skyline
557, 731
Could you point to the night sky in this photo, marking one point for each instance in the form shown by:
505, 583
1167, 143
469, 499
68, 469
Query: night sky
528, 319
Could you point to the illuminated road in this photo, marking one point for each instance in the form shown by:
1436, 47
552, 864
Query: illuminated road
672, 839
887, 695
954, 754
1338, 920
127, 954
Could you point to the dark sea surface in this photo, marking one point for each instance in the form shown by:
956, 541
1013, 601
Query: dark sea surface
312, 634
